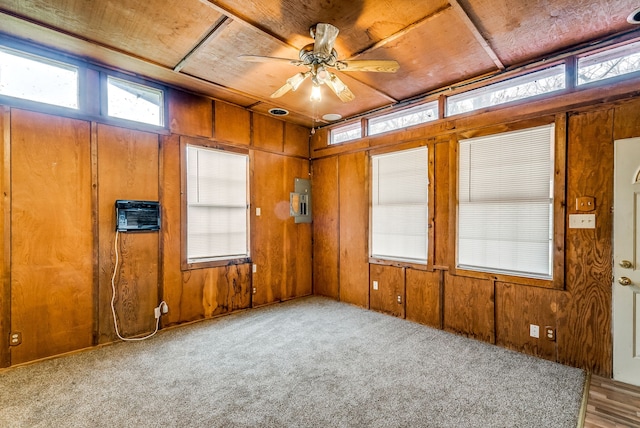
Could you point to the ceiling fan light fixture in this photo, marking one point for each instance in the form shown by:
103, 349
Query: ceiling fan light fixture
296, 80
315, 93
337, 84
322, 74
319, 58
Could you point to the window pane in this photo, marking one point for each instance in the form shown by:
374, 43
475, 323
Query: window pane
131, 101
38, 79
404, 118
217, 209
505, 203
610, 63
351, 131
540, 82
399, 214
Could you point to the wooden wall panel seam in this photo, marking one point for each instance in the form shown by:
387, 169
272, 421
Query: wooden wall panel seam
95, 231
5, 291
431, 162
339, 224
441, 284
560, 203
160, 291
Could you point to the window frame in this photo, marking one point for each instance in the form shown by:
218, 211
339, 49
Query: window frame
559, 180
343, 126
91, 89
104, 101
507, 82
603, 51
208, 263
38, 56
429, 263
134, 82
401, 113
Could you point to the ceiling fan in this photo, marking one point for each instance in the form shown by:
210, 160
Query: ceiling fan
319, 57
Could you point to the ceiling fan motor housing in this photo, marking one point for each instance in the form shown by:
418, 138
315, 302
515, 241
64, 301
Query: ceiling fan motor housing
309, 57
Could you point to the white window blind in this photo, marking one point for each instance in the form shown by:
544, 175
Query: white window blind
505, 203
217, 208
399, 214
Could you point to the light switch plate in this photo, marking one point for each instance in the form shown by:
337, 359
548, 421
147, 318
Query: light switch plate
375, 285
582, 221
534, 331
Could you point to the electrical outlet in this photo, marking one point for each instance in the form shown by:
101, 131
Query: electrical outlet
255, 268
399, 298
254, 290
15, 339
257, 212
550, 332
534, 331
375, 285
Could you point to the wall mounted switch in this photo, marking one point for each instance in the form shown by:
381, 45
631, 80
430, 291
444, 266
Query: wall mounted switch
534, 331
582, 221
375, 285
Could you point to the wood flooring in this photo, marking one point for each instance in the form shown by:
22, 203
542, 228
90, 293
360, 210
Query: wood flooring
612, 404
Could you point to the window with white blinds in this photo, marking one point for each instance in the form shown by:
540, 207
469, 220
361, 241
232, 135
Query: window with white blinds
400, 183
505, 203
217, 208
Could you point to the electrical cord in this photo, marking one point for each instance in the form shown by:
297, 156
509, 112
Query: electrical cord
157, 311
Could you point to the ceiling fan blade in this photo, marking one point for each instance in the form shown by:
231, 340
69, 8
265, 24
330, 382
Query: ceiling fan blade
339, 88
258, 58
325, 37
376, 65
297, 79
292, 84
283, 90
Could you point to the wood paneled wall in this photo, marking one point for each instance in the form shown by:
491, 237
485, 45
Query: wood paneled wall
127, 169
353, 200
51, 235
326, 235
61, 177
585, 317
388, 295
482, 307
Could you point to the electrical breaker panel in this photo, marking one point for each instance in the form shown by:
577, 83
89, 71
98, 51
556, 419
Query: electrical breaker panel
300, 201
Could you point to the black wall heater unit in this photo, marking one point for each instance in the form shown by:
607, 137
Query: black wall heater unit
137, 216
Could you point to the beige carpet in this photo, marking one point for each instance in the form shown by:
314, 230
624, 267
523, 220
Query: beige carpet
310, 362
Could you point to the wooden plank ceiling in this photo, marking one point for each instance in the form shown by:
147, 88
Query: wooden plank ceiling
194, 44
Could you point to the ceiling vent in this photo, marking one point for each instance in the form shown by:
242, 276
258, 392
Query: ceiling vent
278, 112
